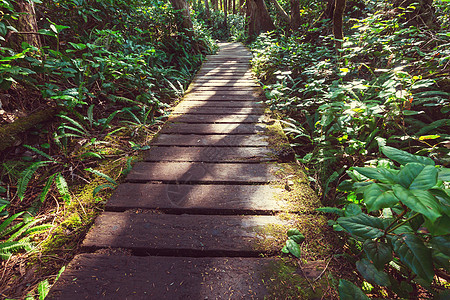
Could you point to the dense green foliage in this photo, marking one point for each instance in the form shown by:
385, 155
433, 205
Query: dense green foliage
387, 87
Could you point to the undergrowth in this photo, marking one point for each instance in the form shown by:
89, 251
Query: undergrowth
387, 88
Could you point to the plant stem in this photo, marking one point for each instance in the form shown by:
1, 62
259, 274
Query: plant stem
402, 223
395, 221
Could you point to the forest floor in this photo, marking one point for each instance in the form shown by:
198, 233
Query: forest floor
207, 212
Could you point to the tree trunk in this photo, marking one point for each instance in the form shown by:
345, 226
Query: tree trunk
234, 6
225, 12
281, 13
186, 22
215, 5
296, 20
258, 18
26, 26
338, 16
208, 13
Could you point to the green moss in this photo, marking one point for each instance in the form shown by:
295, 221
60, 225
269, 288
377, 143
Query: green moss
296, 196
278, 143
284, 279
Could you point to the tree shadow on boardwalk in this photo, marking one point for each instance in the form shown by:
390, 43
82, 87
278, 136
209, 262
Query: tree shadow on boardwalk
173, 229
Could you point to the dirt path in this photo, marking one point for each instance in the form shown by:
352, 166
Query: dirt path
199, 218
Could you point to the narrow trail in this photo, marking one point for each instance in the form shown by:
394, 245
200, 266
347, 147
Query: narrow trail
190, 220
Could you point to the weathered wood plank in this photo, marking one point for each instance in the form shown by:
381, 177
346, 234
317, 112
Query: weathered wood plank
194, 172
215, 140
209, 154
199, 198
95, 276
159, 233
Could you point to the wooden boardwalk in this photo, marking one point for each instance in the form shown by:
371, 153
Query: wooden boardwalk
188, 222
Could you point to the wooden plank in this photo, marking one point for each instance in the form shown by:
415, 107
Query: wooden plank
218, 110
198, 198
232, 128
156, 233
220, 103
216, 118
209, 154
113, 276
216, 140
194, 172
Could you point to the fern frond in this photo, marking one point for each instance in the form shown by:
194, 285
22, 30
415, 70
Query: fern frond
122, 99
109, 119
46, 188
73, 122
98, 173
40, 152
63, 188
37, 229
26, 175
90, 115
22, 230
43, 289
10, 247
7, 222
102, 187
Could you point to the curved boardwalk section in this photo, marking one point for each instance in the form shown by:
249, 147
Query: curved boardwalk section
190, 220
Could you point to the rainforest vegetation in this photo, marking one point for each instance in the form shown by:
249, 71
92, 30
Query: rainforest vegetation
362, 88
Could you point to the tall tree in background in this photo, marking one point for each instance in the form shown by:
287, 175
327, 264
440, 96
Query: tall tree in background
183, 8
258, 18
26, 25
281, 12
296, 20
208, 12
338, 16
225, 12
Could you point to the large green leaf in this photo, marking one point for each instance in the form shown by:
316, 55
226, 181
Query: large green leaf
293, 248
439, 227
378, 196
352, 209
444, 174
349, 291
362, 226
444, 199
412, 252
371, 273
419, 201
404, 157
379, 253
441, 243
380, 174
417, 176
331, 210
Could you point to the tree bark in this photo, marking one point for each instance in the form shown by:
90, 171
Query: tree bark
234, 6
225, 12
207, 11
26, 22
281, 12
186, 22
338, 16
215, 5
258, 18
296, 20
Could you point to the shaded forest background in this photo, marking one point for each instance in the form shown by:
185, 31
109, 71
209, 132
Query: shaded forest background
362, 87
